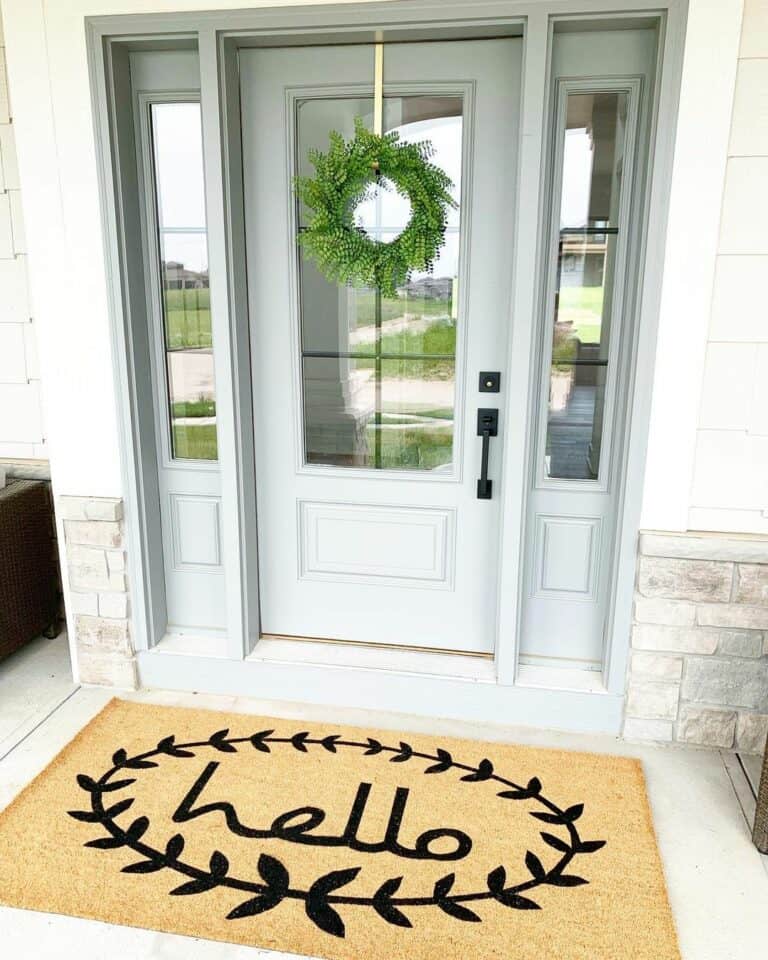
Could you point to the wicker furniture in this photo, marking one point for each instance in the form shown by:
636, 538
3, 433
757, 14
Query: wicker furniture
760, 835
29, 581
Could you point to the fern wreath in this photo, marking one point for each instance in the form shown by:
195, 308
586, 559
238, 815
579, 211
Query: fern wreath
343, 178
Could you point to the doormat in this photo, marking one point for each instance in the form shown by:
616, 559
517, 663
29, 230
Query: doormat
339, 842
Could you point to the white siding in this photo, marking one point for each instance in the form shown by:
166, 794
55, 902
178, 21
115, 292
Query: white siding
21, 427
730, 479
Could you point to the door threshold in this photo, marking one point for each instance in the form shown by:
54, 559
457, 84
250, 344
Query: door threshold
374, 656
374, 645
561, 678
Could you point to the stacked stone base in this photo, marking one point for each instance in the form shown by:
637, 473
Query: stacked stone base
699, 661
98, 590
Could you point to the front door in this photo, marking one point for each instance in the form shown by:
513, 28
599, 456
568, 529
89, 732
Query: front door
365, 408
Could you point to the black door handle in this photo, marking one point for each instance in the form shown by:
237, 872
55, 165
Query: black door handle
487, 427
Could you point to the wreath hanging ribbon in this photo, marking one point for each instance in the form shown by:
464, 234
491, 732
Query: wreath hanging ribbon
343, 178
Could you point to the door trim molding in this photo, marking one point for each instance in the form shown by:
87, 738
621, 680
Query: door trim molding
217, 35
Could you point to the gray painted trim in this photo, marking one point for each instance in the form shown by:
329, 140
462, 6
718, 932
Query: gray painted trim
642, 365
464, 17
108, 69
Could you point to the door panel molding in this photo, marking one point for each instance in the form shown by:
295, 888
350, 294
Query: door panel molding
423, 537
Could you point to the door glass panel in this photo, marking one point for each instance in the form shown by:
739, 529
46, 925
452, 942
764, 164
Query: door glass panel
379, 373
592, 160
183, 246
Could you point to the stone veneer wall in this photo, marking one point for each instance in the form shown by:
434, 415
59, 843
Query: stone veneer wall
98, 589
699, 660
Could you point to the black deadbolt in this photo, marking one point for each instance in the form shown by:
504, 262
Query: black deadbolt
490, 382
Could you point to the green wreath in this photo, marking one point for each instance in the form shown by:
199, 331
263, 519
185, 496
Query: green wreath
343, 178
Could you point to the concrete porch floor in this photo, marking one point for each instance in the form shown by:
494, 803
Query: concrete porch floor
718, 883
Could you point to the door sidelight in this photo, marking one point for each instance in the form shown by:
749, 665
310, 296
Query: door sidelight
487, 427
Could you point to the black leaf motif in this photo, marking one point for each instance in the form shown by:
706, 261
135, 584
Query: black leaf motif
514, 794
573, 813
218, 740
167, 745
114, 785
453, 909
549, 817
565, 880
320, 906
556, 842
589, 846
405, 753
174, 847
443, 886
256, 905
219, 865
273, 873
257, 740
139, 764
458, 911
324, 916
87, 816
193, 886
516, 902
535, 866
497, 880
382, 903
484, 772
445, 762
87, 783
106, 843
332, 881
116, 809
137, 829
144, 866
319, 911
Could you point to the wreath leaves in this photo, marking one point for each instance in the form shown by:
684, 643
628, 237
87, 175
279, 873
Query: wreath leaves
383, 905
404, 753
484, 772
320, 899
219, 742
449, 906
445, 762
342, 180
257, 740
319, 911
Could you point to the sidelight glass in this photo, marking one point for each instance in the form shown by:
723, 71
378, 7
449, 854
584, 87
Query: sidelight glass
183, 250
379, 373
583, 322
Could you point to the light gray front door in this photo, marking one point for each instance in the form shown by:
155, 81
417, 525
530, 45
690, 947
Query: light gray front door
367, 448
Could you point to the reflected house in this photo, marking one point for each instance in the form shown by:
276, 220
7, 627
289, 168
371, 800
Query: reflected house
429, 288
179, 277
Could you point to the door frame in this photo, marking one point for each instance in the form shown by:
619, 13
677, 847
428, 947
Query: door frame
407, 682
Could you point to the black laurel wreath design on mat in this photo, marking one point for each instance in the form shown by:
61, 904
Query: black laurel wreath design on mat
320, 898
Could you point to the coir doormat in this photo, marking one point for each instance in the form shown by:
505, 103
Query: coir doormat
339, 842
